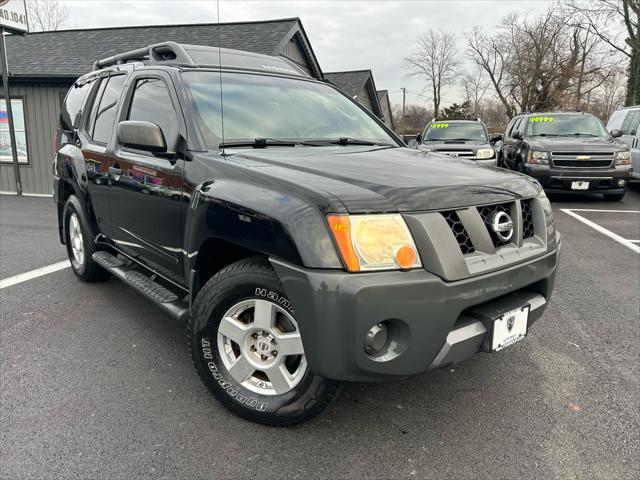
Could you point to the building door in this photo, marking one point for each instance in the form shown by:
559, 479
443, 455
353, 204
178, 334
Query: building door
145, 193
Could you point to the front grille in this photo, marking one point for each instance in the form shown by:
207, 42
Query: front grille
582, 159
527, 219
457, 153
464, 241
485, 213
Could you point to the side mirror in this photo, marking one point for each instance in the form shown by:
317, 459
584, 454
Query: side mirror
496, 137
419, 138
615, 133
412, 143
517, 135
141, 136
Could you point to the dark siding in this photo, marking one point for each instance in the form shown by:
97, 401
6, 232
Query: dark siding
42, 107
294, 52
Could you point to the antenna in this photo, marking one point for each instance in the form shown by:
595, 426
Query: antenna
220, 72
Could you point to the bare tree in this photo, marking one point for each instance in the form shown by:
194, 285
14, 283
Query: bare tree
436, 60
617, 23
46, 15
416, 116
475, 88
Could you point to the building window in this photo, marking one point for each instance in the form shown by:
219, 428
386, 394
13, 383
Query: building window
17, 106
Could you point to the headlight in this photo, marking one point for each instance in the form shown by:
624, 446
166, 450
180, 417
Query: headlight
623, 158
374, 242
484, 153
538, 157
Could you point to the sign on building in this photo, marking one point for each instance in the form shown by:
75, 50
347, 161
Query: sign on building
13, 16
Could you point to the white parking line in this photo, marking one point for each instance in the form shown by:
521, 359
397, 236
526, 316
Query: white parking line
599, 210
38, 272
627, 243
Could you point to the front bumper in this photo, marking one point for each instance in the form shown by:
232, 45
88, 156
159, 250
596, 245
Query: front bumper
556, 180
336, 309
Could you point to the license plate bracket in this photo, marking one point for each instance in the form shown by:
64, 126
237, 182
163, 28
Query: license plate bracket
580, 185
509, 328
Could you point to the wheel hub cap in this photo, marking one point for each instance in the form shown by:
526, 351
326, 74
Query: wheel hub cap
260, 345
75, 237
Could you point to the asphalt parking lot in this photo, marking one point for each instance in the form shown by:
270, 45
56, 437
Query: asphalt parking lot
97, 383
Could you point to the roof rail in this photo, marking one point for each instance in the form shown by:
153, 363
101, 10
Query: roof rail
442, 119
165, 53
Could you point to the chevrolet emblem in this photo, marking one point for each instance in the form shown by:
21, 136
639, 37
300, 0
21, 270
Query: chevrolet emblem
583, 157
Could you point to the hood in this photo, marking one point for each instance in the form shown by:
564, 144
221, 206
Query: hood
574, 144
375, 179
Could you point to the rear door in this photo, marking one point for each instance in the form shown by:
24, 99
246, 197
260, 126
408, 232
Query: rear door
145, 195
630, 126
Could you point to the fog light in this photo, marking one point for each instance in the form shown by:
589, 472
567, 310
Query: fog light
621, 183
376, 339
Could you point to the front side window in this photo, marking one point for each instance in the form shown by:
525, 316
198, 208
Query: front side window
17, 106
105, 108
151, 102
631, 122
448, 131
565, 126
261, 106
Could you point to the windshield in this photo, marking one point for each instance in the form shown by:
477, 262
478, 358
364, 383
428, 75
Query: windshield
565, 126
444, 131
261, 106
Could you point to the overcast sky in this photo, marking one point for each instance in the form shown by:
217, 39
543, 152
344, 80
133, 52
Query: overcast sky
345, 35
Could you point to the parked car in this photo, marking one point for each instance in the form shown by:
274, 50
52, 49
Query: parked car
568, 152
627, 121
468, 139
302, 251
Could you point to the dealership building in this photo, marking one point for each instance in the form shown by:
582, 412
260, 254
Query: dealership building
43, 65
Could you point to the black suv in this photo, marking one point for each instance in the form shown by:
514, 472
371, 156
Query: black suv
568, 152
468, 139
302, 243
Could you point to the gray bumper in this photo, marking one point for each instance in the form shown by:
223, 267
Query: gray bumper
440, 320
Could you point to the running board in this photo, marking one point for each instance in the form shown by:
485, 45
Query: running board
158, 294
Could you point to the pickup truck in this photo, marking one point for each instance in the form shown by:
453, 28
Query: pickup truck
297, 237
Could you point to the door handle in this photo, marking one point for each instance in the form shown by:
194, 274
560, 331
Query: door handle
115, 171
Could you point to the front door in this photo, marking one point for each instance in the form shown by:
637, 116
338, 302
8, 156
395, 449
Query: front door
145, 193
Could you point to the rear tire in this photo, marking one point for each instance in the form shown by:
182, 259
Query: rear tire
614, 197
79, 237
247, 349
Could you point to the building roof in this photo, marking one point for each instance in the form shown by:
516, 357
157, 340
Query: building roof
352, 82
71, 53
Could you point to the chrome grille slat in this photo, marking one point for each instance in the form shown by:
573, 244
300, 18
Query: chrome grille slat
572, 160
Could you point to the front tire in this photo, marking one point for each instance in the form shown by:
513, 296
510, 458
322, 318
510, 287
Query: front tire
247, 348
80, 244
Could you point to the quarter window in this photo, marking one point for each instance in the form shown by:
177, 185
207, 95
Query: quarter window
151, 102
105, 107
17, 107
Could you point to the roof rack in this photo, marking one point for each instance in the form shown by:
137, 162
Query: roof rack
165, 53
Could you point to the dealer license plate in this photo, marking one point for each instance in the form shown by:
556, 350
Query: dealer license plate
510, 328
580, 185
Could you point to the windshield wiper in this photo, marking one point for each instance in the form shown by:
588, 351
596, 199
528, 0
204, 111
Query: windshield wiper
582, 134
260, 143
344, 141
547, 135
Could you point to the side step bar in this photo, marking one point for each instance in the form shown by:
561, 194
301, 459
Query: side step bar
158, 294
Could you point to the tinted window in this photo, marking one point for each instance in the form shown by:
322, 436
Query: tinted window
631, 122
73, 103
442, 131
105, 113
151, 102
515, 126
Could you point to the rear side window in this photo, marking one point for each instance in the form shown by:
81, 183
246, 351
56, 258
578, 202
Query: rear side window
631, 122
103, 114
73, 104
151, 102
615, 122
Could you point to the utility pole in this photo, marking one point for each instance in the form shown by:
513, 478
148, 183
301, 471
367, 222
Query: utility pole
7, 101
404, 95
